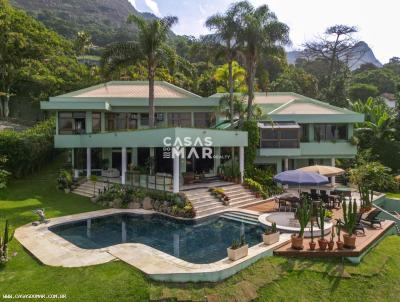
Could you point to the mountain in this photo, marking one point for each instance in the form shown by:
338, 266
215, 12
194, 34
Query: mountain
105, 20
361, 54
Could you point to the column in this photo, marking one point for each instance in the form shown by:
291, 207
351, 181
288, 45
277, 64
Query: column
88, 162
241, 162
286, 164
333, 178
123, 165
175, 156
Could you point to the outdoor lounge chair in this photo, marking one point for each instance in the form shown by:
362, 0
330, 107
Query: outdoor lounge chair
372, 218
359, 226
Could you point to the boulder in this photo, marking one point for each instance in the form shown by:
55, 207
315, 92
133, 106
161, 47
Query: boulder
147, 203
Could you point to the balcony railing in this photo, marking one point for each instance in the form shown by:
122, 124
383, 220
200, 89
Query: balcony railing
155, 182
280, 144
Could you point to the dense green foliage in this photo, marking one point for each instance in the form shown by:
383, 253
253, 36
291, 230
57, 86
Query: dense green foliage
120, 196
361, 91
250, 152
27, 151
296, 80
35, 62
378, 133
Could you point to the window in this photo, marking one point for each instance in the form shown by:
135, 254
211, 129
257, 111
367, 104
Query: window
71, 122
144, 119
96, 122
304, 133
204, 119
179, 119
326, 132
121, 121
280, 137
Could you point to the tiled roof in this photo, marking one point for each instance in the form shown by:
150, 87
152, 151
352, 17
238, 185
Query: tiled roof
132, 91
307, 108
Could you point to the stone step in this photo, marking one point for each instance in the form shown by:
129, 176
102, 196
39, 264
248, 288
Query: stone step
210, 211
243, 214
240, 219
200, 203
208, 206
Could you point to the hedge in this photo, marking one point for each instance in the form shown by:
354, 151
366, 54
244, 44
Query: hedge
28, 150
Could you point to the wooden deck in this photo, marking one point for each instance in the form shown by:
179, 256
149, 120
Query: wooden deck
363, 242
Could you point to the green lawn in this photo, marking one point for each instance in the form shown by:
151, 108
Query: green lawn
270, 279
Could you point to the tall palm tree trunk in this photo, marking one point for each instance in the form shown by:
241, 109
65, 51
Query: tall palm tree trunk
251, 70
151, 95
230, 63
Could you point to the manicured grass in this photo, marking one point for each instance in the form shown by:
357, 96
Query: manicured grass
270, 279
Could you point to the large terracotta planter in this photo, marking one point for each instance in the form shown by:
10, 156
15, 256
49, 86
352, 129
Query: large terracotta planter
235, 254
297, 242
270, 238
323, 244
349, 241
339, 245
331, 245
312, 245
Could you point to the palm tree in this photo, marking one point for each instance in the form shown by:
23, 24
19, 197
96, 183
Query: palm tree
239, 108
83, 42
260, 32
379, 119
149, 48
226, 29
225, 79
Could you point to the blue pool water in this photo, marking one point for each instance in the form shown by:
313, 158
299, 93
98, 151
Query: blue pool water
203, 241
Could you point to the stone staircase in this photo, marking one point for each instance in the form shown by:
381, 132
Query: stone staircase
87, 188
206, 204
242, 217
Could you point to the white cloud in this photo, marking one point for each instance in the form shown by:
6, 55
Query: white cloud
152, 4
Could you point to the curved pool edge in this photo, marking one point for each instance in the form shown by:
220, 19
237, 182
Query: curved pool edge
53, 250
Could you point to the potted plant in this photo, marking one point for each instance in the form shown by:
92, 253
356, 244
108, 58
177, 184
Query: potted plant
238, 249
303, 216
322, 242
339, 243
312, 242
350, 220
331, 242
271, 235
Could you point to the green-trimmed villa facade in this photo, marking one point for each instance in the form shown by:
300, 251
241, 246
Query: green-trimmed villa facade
106, 127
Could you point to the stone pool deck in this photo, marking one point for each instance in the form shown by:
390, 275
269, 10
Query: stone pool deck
53, 250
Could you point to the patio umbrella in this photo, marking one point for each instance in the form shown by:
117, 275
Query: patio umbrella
301, 178
323, 170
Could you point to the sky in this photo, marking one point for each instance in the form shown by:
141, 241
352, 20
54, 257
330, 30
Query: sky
377, 21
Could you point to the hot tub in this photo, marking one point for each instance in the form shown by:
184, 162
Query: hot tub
286, 223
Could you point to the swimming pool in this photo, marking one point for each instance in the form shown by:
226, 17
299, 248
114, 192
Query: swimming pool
200, 242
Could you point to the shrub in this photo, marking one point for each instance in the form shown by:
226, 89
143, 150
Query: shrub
64, 180
265, 179
28, 150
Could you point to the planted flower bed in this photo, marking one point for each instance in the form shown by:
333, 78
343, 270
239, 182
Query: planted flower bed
119, 196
